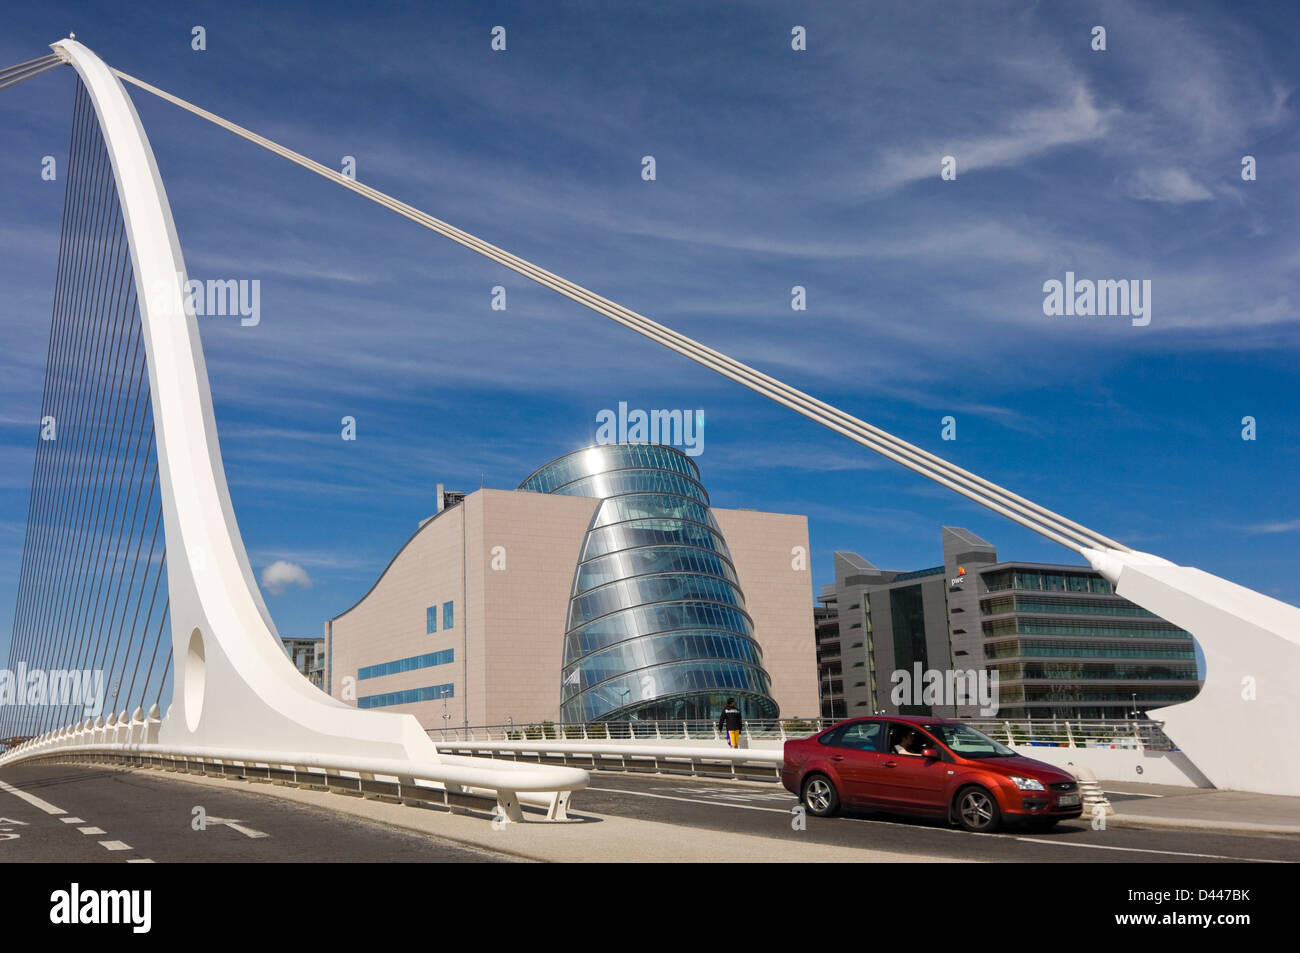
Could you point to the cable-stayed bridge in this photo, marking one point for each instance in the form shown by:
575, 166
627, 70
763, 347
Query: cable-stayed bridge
192, 665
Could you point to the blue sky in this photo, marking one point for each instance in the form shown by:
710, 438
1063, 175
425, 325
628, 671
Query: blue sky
775, 168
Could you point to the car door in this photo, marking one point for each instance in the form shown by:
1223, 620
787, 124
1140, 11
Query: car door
856, 759
912, 783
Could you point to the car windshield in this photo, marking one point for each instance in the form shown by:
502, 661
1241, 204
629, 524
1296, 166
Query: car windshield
967, 742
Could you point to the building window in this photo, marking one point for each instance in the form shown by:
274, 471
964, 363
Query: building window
448, 616
407, 697
431, 620
444, 657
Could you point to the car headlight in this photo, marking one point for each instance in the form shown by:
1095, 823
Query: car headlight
1028, 784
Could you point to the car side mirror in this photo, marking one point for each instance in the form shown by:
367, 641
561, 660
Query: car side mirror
931, 753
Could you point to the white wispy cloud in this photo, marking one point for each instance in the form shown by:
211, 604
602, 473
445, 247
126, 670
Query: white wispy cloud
1167, 185
1283, 526
1021, 135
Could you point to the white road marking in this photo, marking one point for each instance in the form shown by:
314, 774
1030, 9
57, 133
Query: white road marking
1147, 850
32, 799
234, 825
72, 820
1132, 794
140, 860
90, 830
114, 845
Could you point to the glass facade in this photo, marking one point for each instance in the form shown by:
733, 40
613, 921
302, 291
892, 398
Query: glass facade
1065, 646
907, 614
1045, 581
657, 627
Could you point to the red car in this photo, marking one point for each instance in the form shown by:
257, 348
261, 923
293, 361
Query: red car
936, 767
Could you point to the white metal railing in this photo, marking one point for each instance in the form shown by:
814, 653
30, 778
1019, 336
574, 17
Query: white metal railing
457, 782
1077, 733
668, 756
698, 748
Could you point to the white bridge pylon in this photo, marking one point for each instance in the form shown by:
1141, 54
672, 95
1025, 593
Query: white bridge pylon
233, 685
1240, 730
236, 695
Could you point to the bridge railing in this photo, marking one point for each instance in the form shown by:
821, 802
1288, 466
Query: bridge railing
453, 781
697, 748
1018, 732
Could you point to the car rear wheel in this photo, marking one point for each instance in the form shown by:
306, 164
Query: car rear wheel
977, 811
820, 796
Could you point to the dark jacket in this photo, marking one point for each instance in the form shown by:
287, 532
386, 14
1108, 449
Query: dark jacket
730, 720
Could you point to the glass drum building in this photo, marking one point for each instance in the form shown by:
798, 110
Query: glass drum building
657, 627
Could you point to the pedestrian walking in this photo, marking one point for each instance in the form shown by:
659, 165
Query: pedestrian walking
731, 722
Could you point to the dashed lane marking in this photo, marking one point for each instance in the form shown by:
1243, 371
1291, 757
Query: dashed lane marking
49, 808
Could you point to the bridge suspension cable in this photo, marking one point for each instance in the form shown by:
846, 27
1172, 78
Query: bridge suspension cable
92, 598
13, 75
1017, 508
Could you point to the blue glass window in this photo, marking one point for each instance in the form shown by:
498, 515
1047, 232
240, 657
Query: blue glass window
407, 664
448, 616
431, 620
407, 697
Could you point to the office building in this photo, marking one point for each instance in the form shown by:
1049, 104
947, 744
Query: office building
308, 656
605, 588
1062, 643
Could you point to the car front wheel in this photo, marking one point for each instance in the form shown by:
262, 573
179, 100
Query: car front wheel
977, 811
820, 796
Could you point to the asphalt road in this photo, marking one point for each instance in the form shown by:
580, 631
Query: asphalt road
765, 810
79, 814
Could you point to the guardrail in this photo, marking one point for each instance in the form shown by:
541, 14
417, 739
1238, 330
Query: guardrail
620, 754
1076, 733
454, 782
698, 749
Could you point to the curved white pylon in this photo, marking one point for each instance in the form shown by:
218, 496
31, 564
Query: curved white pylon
1240, 729
233, 685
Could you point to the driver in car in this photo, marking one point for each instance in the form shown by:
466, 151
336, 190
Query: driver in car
906, 742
